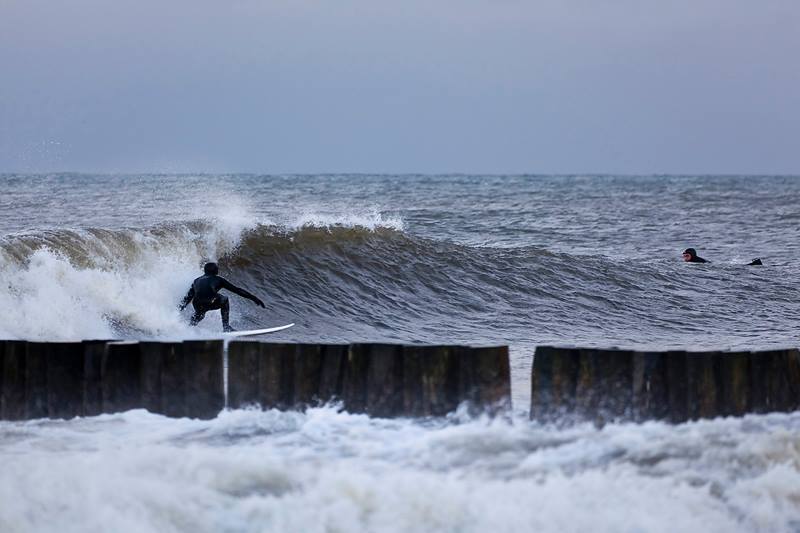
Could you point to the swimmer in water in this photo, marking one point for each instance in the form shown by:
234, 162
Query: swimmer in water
690, 256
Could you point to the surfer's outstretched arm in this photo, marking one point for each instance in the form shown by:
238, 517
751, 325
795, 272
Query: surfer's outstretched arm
187, 299
241, 292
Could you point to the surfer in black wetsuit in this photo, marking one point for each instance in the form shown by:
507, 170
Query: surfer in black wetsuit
203, 296
690, 256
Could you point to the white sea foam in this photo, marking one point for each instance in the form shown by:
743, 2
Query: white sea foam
371, 220
329, 471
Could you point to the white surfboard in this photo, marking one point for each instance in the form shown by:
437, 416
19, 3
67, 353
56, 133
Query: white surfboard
251, 332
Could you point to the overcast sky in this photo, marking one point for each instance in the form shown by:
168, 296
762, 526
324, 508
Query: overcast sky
477, 86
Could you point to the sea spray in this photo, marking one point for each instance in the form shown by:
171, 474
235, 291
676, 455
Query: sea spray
253, 470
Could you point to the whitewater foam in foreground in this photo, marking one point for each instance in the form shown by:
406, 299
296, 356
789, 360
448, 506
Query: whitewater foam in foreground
324, 470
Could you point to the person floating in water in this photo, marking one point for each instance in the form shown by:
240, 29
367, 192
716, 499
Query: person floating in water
203, 296
690, 256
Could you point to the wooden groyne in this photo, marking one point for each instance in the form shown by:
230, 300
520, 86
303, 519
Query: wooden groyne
63, 380
185, 379
676, 386
377, 379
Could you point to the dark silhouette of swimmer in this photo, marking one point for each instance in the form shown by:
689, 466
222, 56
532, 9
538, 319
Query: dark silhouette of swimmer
204, 297
690, 256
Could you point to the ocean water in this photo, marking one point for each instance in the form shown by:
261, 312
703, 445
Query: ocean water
517, 260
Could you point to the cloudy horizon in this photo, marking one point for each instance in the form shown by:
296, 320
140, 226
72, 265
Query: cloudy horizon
475, 86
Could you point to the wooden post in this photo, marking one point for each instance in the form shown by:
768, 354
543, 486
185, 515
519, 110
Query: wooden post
261, 373
150, 375
783, 383
121, 376
12, 406
732, 371
276, 376
414, 403
485, 378
542, 402
702, 401
163, 378
93, 355
759, 380
65, 370
553, 383
354, 386
430, 380
585, 402
307, 374
36, 380
604, 390
791, 364
677, 386
384, 382
203, 361
2, 379
331, 378
649, 395
243, 373
173, 381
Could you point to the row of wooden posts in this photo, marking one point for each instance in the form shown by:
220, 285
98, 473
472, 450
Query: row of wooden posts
63, 380
677, 386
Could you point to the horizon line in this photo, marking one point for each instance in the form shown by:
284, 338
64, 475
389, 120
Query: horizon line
404, 174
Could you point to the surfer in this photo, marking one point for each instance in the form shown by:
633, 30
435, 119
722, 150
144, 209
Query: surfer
203, 296
690, 256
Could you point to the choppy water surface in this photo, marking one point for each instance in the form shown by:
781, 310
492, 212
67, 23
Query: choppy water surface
519, 260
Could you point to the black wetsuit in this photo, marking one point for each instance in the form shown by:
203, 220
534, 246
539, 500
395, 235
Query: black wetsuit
694, 258
204, 298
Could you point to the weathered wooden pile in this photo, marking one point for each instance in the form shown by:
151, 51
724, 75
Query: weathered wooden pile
62, 380
575, 383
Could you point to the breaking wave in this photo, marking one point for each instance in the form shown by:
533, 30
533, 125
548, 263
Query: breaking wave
365, 278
